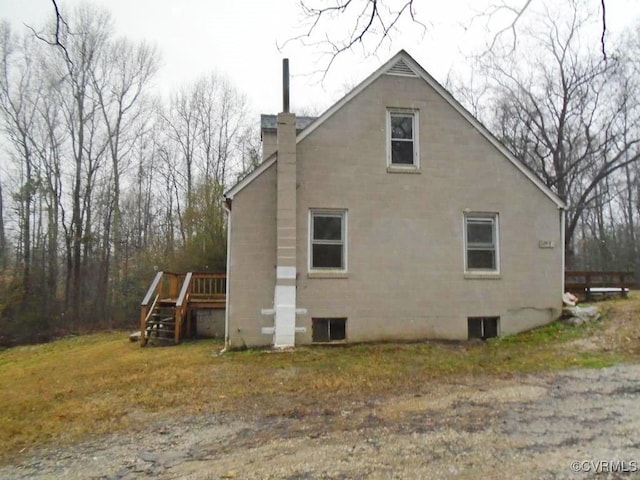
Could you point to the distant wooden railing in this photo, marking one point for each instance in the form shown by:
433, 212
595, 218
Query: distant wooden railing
587, 283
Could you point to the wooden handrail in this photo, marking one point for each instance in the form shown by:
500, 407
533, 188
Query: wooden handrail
181, 306
186, 286
153, 306
145, 311
152, 289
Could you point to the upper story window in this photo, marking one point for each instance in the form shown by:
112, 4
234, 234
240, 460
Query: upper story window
481, 242
327, 245
402, 138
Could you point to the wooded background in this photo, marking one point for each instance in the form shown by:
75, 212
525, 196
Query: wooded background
103, 183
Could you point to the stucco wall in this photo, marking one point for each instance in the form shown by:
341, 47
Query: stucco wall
405, 275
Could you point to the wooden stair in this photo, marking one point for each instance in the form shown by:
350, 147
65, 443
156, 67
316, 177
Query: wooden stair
165, 311
161, 325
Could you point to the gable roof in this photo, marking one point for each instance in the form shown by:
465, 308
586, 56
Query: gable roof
402, 64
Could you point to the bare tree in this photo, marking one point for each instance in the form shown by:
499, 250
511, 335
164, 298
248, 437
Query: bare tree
101, 187
3, 238
561, 112
84, 36
628, 191
183, 126
18, 106
48, 141
119, 80
206, 122
250, 151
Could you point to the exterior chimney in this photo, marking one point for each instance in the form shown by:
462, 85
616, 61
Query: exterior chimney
285, 85
285, 289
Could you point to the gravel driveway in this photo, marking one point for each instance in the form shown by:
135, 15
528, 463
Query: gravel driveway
572, 424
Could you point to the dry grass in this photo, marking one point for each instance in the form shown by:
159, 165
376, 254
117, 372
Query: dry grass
88, 385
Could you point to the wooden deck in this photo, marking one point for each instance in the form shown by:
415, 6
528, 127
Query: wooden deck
165, 311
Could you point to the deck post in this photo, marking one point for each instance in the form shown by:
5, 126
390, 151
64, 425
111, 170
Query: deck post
143, 327
173, 285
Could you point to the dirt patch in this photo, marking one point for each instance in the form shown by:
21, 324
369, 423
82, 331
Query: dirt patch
618, 332
530, 426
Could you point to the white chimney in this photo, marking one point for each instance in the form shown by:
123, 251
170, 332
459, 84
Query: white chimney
285, 289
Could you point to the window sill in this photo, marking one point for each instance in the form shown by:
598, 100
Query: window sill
403, 169
482, 276
328, 274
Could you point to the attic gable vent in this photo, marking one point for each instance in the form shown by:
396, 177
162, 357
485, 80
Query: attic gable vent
402, 69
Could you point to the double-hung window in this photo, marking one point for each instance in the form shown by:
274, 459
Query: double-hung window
327, 234
481, 242
402, 142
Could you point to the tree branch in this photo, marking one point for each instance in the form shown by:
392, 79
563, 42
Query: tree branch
604, 28
375, 19
60, 21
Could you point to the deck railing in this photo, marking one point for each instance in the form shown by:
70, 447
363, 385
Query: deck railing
582, 283
211, 286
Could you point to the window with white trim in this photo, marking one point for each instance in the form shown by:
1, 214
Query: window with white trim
402, 141
481, 242
327, 245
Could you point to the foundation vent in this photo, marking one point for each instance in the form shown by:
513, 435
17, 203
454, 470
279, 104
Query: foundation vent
325, 330
483, 327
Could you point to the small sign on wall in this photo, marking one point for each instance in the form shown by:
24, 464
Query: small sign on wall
545, 244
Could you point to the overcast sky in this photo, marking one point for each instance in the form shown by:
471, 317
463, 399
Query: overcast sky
240, 38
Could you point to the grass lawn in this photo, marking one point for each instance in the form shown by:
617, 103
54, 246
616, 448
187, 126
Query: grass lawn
77, 387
